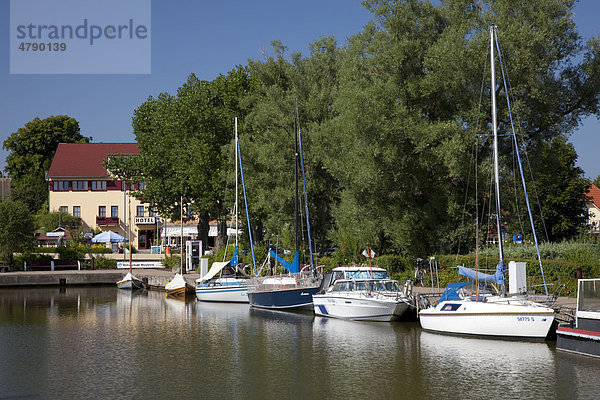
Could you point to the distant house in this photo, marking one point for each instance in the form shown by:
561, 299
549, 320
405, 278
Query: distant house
57, 237
593, 208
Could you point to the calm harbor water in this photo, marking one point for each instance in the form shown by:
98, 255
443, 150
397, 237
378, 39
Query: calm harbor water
99, 342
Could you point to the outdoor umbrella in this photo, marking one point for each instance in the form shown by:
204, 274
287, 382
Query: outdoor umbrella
108, 237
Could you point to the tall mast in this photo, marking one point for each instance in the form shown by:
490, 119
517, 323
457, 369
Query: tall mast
296, 172
181, 247
236, 184
495, 128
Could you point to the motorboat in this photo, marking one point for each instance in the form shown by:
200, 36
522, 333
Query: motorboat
582, 336
363, 299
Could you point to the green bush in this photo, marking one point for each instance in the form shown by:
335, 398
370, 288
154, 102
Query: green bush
170, 262
104, 263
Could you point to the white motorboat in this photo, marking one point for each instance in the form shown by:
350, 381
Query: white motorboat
129, 282
582, 336
363, 299
465, 309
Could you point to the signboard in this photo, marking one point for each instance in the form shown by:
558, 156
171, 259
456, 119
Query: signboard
145, 220
139, 264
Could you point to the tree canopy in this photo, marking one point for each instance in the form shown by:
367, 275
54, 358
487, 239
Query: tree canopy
16, 228
31, 151
392, 123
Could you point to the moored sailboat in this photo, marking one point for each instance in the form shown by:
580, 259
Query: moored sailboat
469, 309
225, 281
294, 290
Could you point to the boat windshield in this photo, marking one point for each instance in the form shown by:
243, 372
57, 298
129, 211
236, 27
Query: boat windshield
589, 295
366, 274
366, 285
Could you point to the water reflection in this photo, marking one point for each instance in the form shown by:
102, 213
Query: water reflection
104, 343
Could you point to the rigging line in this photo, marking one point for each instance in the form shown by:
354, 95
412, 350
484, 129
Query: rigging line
306, 203
246, 204
529, 168
474, 155
520, 165
226, 191
514, 174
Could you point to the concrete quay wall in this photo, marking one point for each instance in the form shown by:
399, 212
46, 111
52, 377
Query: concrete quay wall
157, 278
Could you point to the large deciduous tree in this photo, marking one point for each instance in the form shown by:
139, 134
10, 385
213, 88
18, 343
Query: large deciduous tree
182, 140
16, 228
31, 151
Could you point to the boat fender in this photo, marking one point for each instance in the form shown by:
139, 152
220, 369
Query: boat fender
423, 302
408, 287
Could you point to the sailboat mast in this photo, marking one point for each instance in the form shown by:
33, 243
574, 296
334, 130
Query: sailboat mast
495, 128
236, 184
296, 172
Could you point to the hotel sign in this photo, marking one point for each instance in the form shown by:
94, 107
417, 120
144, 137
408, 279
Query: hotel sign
145, 220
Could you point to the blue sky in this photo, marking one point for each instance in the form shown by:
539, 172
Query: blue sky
207, 38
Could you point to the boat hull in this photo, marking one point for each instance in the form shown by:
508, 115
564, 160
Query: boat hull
488, 319
354, 308
578, 341
296, 298
223, 294
130, 282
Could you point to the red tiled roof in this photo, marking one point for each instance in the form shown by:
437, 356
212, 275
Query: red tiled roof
594, 193
74, 160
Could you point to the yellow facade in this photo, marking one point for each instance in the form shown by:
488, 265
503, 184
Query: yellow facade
90, 203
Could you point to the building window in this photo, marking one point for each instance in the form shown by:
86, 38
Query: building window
139, 212
80, 185
114, 211
152, 212
60, 186
99, 185
102, 211
77, 211
63, 209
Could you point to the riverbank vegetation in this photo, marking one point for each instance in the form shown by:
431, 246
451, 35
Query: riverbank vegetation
393, 122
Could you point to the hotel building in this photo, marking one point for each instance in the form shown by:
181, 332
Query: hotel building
80, 185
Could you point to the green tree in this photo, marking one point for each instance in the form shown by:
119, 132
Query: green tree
48, 221
16, 228
31, 151
183, 140
560, 188
267, 141
597, 181
408, 107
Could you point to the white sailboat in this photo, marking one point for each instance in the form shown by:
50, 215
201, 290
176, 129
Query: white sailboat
469, 309
225, 282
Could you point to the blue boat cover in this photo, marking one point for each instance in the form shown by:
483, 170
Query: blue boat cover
294, 267
497, 277
234, 260
451, 291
